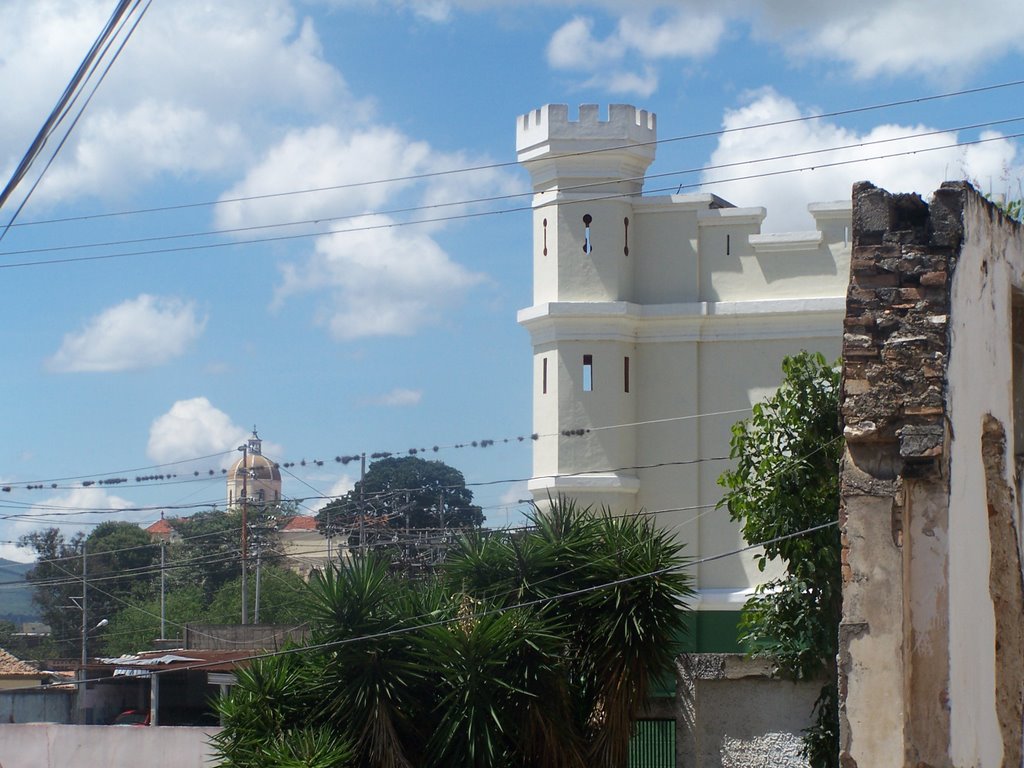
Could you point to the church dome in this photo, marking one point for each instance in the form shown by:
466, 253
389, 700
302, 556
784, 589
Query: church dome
253, 476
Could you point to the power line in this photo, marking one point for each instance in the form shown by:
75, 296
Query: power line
500, 198
508, 164
481, 214
115, 25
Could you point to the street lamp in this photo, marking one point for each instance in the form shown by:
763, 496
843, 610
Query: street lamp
83, 675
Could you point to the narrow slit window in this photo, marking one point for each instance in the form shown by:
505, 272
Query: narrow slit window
625, 374
728, 245
625, 236
588, 245
545, 226
588, 373
544, 376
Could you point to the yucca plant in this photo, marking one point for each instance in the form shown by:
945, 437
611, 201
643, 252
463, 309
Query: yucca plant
616, 587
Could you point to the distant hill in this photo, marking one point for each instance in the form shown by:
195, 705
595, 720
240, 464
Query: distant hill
16, 598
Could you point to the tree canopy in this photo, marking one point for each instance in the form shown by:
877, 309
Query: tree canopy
532, 648
119, 569
404, 492
786, 485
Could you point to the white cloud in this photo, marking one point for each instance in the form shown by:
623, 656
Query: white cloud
379, 281
397, 397
339, 488
53, 512
641, 84
639, 35
193, 428
149, 139
387, 279
200, 87
894, 37
786, 196
869, 38
138, 333
322, 157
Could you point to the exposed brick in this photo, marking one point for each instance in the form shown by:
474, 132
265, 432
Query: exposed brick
934, 279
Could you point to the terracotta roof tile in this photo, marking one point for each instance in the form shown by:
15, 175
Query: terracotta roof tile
300, 523
160, 526
11, 666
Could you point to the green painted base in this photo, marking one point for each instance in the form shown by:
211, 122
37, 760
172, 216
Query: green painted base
713, 632
706, 632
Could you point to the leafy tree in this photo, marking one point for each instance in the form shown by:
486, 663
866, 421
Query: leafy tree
530, 649
137, 625
56, 578
786, 481
121, 567
209, 548
120, 557
401, 492
282, 596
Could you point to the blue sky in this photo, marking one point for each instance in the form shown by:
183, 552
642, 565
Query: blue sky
393, 336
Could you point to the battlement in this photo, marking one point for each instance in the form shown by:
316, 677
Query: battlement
550, 129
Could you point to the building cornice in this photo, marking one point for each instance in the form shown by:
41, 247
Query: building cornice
694, 321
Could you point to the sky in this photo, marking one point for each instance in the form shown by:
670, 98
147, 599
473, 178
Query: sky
305, 215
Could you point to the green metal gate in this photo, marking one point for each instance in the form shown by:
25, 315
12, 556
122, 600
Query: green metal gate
653, 744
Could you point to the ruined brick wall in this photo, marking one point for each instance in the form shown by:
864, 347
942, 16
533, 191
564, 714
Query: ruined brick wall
893, 674
932, 635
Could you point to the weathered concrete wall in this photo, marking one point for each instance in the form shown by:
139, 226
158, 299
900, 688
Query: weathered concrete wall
734, 714
45, 745
37, 705
893, 666
931, 640
985, 605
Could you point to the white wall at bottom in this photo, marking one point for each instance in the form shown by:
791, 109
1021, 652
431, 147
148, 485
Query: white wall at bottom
46, 745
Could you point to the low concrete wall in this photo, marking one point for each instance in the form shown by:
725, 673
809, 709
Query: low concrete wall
735, 715
45, 745
37, 705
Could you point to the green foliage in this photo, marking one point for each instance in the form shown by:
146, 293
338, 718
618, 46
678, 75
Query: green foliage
282, 599
402, 492
786, 481
272, 719
210, 544
119, 570
137, 625
530, 649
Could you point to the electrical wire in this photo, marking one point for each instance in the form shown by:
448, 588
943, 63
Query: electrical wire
495, 166
481, 214
96, 53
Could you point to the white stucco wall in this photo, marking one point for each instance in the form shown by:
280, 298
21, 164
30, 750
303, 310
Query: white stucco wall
704, 306
45, 745
980, 382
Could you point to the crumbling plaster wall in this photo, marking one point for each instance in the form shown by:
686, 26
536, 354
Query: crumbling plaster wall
732, 712
930, 641
981, 415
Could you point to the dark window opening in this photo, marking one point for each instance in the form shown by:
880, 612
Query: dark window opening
625, 374
588, 246
588, 373
544, 376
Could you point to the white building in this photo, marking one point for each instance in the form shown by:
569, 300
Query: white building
656, 323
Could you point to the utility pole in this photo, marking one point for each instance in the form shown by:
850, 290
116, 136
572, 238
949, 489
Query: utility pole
256, 606
163, 590
362, 504
244, 448
85, 634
